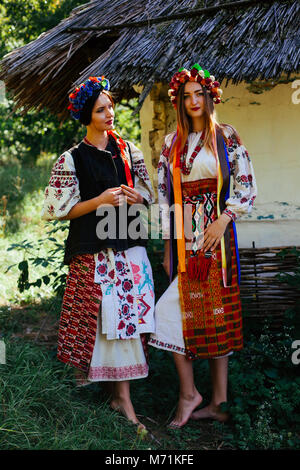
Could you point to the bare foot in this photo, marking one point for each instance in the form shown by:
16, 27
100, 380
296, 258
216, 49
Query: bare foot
186, 406
125, 407
210, 412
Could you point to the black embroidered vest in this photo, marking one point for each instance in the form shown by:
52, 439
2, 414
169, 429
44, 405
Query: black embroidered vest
97, 171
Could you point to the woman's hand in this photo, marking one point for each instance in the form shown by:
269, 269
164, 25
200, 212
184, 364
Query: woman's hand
132, 196
214, 232
112, 196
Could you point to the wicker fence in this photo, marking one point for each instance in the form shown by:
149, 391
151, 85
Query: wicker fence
262, 292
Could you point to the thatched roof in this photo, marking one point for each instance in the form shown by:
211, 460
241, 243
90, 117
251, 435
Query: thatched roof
235, 40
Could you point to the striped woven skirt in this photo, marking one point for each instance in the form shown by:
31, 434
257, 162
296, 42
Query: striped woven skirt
201, 318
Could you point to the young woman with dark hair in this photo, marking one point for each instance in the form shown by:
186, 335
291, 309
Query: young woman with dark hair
108, 303
199, 315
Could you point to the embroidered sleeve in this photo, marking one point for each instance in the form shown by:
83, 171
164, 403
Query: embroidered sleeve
244, 183
62, 192
142, 181
162, 180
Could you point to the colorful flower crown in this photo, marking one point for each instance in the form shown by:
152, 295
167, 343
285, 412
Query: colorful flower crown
83, 92
196, 74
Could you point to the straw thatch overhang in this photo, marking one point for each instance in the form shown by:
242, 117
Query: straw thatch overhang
139, 43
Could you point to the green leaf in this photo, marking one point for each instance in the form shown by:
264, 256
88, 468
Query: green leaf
23, 265
46, 279
38, 283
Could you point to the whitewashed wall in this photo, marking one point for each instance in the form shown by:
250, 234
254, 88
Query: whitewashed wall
269, 126
270, 130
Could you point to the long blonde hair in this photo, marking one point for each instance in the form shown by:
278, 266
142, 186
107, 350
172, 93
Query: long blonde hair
184, 123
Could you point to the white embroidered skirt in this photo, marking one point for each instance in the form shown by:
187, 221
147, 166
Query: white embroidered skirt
127, 310
117, 359
168, 325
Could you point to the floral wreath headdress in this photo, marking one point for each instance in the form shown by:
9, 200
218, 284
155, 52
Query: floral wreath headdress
77, 101
196, 74
83, 92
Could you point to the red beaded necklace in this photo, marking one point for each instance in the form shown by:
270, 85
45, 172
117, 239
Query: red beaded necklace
187, 168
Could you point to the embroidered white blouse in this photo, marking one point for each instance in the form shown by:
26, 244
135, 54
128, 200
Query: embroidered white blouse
62, 192
125, 277
204, 166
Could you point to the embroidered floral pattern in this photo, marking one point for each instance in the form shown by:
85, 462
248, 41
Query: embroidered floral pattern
50, 210
162, 188
118, 373
122, 304
61, 177
165, 152
241, 170
131, 329
102, 269
244, 184
62, 192
127, 285
142, 181
114, 295
58, 194
121, 267
57, 181
140, 170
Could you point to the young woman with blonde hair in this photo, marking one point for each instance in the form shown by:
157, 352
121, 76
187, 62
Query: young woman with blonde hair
199, 315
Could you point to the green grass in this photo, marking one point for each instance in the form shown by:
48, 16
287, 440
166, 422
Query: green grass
42, 409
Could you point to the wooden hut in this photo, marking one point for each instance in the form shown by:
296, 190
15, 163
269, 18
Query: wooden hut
251, 47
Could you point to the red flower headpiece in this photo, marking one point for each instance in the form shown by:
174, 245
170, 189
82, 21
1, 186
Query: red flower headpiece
196, 74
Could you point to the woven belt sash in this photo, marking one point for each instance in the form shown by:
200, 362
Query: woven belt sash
223, 194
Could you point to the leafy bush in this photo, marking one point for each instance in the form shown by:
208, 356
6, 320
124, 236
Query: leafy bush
22, 22
265, 392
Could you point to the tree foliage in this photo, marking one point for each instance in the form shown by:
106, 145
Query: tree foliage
24, 136
23, 21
